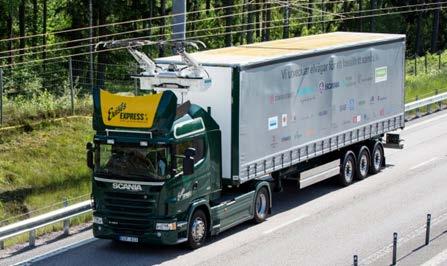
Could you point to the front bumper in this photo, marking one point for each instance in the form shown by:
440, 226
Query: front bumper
171, 237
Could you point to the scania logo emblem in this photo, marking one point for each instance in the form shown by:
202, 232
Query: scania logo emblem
124, 186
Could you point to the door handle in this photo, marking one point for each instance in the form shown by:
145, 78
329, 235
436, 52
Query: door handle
195, 185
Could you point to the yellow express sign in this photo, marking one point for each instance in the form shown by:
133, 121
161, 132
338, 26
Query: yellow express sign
128, 111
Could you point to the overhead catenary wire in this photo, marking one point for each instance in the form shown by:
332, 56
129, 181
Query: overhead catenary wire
200, 20
120, 33
119, 23
252, 2
240, 31
157, 27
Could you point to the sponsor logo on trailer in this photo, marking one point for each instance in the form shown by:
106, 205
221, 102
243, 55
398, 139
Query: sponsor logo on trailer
125, 186
323, 113
284, 120
381, 74
357, 119
381, 98
286, 138
305, 91
325, 86
273, 123
276, 98
351, 104
274, 143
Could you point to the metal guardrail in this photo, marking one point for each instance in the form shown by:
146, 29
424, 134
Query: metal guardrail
426, 101
64, 214
30, 225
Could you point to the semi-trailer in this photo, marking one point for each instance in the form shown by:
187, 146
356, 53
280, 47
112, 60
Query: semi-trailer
194, 151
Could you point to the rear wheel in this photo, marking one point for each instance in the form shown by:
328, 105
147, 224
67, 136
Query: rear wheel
262, 205
347, 169
198, 228
377, 157
363, 163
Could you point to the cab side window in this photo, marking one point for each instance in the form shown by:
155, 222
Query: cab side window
180, 148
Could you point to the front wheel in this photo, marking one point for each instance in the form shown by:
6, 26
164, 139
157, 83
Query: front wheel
198, 228
262, 205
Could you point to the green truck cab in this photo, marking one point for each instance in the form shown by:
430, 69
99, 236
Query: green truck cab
157, 172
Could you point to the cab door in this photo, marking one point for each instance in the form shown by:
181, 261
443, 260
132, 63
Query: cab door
196, 185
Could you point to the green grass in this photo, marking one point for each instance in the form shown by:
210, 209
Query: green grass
426, 82
49, 157
425, 85
23, 110
42, 166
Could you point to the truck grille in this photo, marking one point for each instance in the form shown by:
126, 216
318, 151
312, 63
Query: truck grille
129, 213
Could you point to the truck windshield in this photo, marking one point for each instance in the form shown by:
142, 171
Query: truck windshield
151, 162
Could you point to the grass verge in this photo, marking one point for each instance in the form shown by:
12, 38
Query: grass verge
41, 166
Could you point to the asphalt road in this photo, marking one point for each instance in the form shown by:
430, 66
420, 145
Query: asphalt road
320, 225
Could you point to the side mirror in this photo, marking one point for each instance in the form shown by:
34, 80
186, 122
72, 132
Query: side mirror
89, 148
188, 161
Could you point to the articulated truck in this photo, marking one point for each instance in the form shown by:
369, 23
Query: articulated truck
209, 135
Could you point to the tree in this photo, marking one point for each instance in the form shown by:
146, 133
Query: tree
9, 27
228, 22
435, 31
22, 27
44, 29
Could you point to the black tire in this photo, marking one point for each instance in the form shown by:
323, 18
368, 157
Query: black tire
363, 163
262, 205
347, 169
377, 157
198, 229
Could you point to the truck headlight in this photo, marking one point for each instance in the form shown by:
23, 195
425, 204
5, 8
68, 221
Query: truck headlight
166, 226
97, 220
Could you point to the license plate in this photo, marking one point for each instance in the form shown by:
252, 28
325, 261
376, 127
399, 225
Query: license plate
128, 239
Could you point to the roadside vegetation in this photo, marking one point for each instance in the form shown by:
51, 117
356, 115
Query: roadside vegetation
425, 82
40, 167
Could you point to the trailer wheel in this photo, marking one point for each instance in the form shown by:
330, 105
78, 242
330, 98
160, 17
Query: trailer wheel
198, 228
377, 157
347, 169
261, 205
363, 163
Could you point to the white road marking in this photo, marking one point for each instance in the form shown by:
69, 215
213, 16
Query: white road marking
437, 260
425, 122
285, 224
424, 163
56, 252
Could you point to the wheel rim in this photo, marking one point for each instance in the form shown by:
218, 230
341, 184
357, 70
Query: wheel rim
198, 229
261, 205
364, 165
377, 159
348, 171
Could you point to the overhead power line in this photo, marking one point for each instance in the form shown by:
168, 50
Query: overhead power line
296, 3
115, 34
117, 23
295, 6
247, 30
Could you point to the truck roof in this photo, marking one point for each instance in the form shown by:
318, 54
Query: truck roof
257, 53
